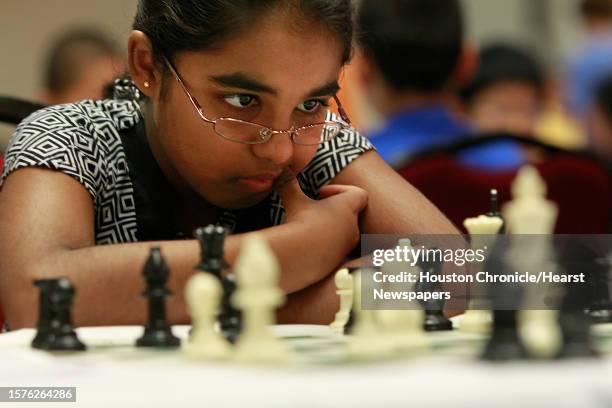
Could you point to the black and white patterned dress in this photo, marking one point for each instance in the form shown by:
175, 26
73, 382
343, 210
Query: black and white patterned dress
90, 141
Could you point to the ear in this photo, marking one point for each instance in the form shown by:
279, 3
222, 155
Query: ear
141, 64
467, 65
365, 68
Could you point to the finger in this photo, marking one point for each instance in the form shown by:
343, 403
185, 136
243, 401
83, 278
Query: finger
332, 189
356, 196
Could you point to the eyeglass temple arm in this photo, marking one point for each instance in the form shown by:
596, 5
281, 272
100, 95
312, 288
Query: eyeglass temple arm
341, 111
193, 101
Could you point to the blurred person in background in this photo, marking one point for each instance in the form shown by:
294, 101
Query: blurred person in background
507, 92
600, 121
413, 52
80, 64
592, 61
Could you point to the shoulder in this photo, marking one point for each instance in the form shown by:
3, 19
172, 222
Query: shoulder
72, 138
348, 137
333, 156
80, 116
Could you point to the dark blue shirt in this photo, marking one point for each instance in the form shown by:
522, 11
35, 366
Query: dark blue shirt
423, 128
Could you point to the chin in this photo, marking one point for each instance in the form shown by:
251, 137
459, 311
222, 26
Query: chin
239, 203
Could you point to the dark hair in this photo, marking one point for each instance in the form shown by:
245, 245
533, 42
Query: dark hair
596, 8
501, 63
604, 97
415, 43
70, 53
192, 25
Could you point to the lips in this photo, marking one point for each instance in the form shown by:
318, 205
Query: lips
259, 183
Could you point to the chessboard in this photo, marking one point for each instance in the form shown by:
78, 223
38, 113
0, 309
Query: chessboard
235, 356
114, 372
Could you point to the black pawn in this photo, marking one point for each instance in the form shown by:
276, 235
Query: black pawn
212, 260
211, 239
505, 343
434, 315
45, 314
157, 332
348, 327
63, 336
494, 210
574, 323
600, 304
230, 318
575, 332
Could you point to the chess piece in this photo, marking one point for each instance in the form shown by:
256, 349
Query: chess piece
366, 341
212, 260
350, 323
258, 296
532, 216
600, 306
157, 332
505, 343
63, 337
530, 212
344, 289
482, 230
45, 314
399, 325
402, 331
494, 211
202, 294
211, 239
434, 315
230, 318
575, 325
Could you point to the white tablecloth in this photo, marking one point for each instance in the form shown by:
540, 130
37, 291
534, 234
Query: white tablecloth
112, 373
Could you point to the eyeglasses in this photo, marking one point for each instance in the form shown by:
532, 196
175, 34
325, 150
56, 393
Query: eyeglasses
241, 131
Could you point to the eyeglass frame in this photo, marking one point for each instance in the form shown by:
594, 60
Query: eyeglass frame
270, 132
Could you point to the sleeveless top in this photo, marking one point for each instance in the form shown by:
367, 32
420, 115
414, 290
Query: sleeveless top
102, 145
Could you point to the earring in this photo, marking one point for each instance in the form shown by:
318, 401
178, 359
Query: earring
147, 84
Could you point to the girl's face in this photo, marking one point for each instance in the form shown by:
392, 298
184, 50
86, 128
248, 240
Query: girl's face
273, 74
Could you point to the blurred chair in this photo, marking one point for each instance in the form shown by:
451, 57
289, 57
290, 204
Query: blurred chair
579, 184
13, 111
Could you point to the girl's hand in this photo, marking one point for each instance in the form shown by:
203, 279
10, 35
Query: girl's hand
335, 216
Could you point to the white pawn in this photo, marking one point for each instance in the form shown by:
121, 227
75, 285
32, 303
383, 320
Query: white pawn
258, 297
344, 286
202, 294
482, 230
366, 342
403, 329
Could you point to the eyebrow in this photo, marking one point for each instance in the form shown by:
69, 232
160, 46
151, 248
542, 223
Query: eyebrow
331, 88
243, 81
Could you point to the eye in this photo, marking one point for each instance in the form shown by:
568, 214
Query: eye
310, 105
239, 100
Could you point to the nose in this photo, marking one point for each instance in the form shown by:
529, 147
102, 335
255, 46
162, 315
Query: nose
279, 148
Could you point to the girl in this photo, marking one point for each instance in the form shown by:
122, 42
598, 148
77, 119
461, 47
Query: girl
225, 121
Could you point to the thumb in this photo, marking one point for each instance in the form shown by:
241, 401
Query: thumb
355, 196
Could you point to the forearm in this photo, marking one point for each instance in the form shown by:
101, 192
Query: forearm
316, 304
394, 205
108, 278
